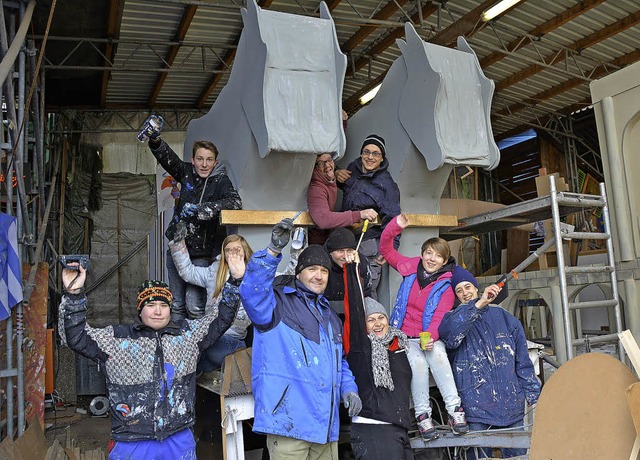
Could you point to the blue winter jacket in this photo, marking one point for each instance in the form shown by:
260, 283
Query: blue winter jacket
299, 371
376, 190
491, 365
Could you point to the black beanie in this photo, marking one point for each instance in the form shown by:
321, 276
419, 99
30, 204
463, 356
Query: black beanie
313, 255
340, 238
375, 140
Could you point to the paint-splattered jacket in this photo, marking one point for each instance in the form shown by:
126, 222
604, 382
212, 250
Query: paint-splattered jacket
491, 366
214, 193
150, 374
299, 371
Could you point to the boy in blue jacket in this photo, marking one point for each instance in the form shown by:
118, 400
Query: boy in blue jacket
490, 361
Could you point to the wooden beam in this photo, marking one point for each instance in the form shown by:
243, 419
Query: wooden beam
181, 32
378, 48
560, 88
363, 32
577, 46
466, 25
225, 64
113, 32
248, 217
631, 348
543, 29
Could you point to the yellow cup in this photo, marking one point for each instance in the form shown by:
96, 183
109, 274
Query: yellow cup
425, 337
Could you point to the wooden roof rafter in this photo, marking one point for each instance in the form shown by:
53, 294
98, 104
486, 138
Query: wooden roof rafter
181, 33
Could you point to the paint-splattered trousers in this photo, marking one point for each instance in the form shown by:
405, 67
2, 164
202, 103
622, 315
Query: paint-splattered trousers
436, 360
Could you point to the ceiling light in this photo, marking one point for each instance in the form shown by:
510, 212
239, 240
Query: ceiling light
498, 9
370, 95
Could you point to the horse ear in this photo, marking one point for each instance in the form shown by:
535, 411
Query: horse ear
411, 34
324, 11
402, 45
251, 9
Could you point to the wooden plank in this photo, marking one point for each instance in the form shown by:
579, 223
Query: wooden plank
631, 348
249, 217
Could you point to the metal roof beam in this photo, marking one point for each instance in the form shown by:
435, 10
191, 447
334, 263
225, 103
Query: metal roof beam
363, 32
549, 26
577, 46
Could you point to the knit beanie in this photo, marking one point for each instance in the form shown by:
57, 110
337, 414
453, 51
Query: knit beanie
340, 238
152, 290
459, 275
372, 306
375, 140
314, 254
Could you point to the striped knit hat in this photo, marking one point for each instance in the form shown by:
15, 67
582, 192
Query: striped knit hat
152, 290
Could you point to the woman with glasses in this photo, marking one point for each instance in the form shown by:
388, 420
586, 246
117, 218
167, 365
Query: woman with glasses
321, 202
367, 184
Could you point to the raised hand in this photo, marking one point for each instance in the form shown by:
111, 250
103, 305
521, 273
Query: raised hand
403, 221
73, 280
280, 235
235, 261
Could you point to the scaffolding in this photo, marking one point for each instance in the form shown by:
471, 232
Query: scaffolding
22, 142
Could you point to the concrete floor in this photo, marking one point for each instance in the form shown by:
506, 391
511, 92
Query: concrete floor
88, 432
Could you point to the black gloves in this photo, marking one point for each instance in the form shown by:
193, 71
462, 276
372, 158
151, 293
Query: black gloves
280, 235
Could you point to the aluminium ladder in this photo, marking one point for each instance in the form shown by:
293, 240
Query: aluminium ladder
584, 201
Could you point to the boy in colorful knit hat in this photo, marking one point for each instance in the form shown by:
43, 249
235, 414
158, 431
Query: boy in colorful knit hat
149, 365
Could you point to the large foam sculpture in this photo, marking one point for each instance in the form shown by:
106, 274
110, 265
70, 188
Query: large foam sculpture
433, 111
280, 108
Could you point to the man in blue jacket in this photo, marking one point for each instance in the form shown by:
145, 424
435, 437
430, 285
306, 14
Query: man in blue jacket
299, 370
490, 361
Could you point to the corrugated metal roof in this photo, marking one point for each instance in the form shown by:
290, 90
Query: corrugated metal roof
147, 29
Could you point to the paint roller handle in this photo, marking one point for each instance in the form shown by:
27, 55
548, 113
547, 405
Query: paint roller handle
365, 226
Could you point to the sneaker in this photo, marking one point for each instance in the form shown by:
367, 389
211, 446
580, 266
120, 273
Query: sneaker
425, 425
458, 421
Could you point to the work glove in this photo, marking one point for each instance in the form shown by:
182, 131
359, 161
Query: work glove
352, 402
189, 210
280, 235
151, 128
208, 211
180, 232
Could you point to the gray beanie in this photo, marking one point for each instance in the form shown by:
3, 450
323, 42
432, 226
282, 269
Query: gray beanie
372, 306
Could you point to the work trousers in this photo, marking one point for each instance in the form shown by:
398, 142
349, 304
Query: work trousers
283, 448
380, 442
178, 446
189, 300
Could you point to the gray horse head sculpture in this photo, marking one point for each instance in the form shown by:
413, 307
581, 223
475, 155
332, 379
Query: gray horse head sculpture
281, 107
433, 111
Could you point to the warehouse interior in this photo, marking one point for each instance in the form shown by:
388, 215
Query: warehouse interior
81, 77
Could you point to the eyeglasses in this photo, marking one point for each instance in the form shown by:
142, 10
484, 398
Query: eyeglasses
323, 163
369, 153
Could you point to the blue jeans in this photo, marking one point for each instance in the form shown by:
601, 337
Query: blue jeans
180, 445
486, 451
213, 357
188, 299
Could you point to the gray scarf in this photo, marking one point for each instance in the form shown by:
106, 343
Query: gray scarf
380, 356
